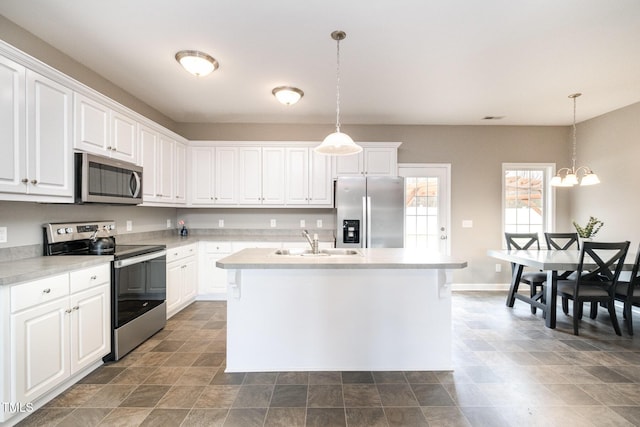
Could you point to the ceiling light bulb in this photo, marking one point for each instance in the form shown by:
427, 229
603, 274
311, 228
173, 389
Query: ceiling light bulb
287, 95
197, 63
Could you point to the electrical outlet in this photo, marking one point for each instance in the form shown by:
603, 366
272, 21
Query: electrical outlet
3, 234
302, 223
221, 223
498, 268
273, 223
319, 223
168, 223
129, 225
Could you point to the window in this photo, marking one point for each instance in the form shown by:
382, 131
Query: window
527, 198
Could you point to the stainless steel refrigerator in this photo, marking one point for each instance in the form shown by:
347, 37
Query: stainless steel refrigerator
369, 212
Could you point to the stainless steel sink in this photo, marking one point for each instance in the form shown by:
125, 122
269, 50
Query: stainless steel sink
322, 252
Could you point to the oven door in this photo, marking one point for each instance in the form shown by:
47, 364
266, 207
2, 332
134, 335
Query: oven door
139, 284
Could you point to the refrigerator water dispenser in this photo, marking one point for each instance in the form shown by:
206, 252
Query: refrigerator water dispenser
351, 231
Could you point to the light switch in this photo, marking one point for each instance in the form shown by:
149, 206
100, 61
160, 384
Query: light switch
3, 234
467, 223
319, 223
273, 223
221, 223
302, 223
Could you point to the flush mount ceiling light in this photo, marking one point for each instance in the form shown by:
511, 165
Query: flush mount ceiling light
338, 143
197, 63
568, 177
287, 95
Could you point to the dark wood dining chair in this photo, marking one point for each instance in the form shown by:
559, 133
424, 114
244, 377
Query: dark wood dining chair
594, 284
533, 279
629, 292
562, 241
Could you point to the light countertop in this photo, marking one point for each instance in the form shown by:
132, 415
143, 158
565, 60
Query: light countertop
376, 258
34, 268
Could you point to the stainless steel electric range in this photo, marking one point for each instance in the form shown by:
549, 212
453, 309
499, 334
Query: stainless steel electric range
138, 278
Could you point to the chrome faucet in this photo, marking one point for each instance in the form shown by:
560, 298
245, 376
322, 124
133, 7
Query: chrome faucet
312, 242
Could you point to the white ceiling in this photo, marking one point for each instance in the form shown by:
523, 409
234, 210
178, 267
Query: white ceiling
403, 61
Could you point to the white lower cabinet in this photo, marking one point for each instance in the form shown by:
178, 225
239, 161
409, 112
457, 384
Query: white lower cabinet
58, 327
212, 281
182, 277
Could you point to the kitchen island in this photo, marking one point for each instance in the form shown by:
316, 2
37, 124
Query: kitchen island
374, 310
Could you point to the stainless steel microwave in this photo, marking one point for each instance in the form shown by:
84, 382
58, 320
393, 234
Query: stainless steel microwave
102, 180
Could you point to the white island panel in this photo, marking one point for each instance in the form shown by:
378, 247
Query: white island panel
375, 319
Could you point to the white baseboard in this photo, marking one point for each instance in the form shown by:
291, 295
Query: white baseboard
480, 287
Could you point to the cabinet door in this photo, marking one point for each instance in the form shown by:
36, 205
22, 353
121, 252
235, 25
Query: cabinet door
273, 174
92, 126
164, 173
381, 161
40, 349
297, 176
352, 165
123, 133
90, 326
179, 173
189, 279
320, 182
13, 161
250, 179
149, 157
202, 175
226, 176
174, 285
49, 121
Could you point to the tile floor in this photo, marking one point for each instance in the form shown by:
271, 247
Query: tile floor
509, 371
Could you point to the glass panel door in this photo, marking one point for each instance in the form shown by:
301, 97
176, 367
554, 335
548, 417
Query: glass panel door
427, 211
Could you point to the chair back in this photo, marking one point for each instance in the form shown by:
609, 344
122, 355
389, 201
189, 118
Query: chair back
562, 241
608, 260
522, 241
634, 280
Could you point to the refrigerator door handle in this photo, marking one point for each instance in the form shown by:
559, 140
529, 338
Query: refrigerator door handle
363, 231
368, 222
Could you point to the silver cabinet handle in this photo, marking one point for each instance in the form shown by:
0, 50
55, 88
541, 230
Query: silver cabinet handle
46, 291
94, 277
68, 311
25, 180
34, 181
76, 308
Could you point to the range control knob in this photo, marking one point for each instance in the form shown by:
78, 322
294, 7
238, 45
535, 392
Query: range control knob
69, 230
61, 231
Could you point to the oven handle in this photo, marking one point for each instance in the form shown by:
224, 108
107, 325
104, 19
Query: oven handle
138, 259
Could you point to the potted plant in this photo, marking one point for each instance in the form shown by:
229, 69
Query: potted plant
588, 231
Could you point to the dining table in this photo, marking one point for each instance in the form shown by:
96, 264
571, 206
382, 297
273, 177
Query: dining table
556, 263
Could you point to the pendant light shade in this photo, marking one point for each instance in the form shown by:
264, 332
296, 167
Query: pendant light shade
568, 177
338, 143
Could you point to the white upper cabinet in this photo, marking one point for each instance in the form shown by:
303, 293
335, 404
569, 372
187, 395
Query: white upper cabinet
308, 178
375, 159
104, 131
35, 127
164, 162
261, 175
214, 176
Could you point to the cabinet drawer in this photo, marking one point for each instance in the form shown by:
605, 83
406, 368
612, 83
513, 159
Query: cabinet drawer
180, 252
90, 277
217, 247
40, 291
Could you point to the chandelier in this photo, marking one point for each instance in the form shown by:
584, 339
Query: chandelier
568, 177
338, 143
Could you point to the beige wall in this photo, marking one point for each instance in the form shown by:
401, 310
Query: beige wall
610, 145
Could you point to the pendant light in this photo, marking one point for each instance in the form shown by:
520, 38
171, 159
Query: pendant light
338, 143
568, 177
